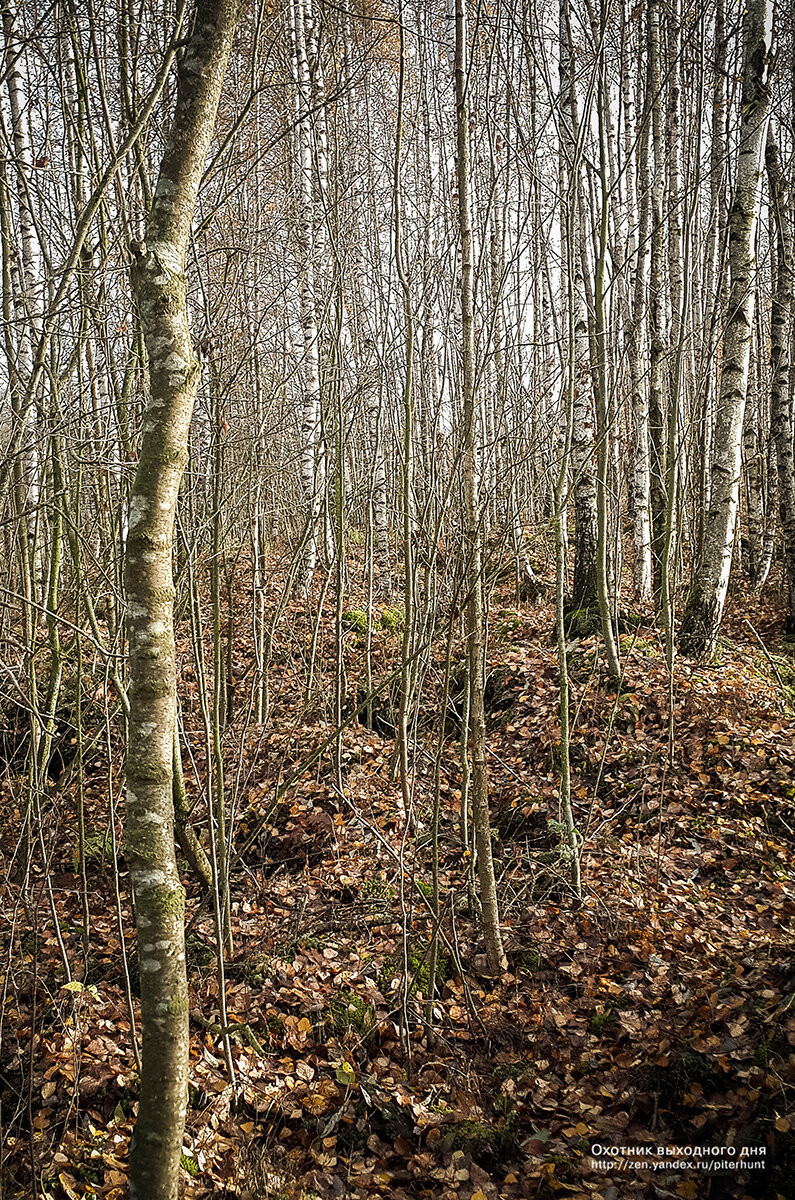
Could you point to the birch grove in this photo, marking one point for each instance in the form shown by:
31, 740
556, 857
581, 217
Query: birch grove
705, 604
409, 300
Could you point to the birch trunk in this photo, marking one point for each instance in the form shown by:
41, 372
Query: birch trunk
30, 274
312, 464
636, 256
783, 426
475, 626
364, 331
378, 490
657, 343
754, 447
159, 288
699, 633
714, 272
584, 594
601, 388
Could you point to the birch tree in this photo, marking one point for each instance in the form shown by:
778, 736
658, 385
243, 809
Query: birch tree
657, 339
702, 618
582, 437
312, 463
475, 628
781, 200
714, 274
28, 268
159, 289
637, 260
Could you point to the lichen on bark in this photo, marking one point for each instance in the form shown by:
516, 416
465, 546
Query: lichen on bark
159, 288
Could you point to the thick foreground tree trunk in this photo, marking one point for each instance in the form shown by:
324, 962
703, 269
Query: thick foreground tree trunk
699, 632
158, 283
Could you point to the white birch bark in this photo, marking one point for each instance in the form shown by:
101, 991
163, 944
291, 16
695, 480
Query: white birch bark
378, 492
583, 425
362, 326
753, 455
475, 628
312, 461
657, 338
637, 257
702, 618
714, 275
675, 313
30, 294
781, 327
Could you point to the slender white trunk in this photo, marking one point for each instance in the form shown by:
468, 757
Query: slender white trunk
754, 465
637, 257
361, 324
583, 426
30, 293
312, 460
475, 625
657, 331
781, 322
699, 632
715, 277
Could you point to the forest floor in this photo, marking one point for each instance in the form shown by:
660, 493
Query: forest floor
640, 1042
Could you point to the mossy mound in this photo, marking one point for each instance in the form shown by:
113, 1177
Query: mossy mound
490, 1144
355, 620
350, 1016
393, 618
684, 1068
580, 623
419, 972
